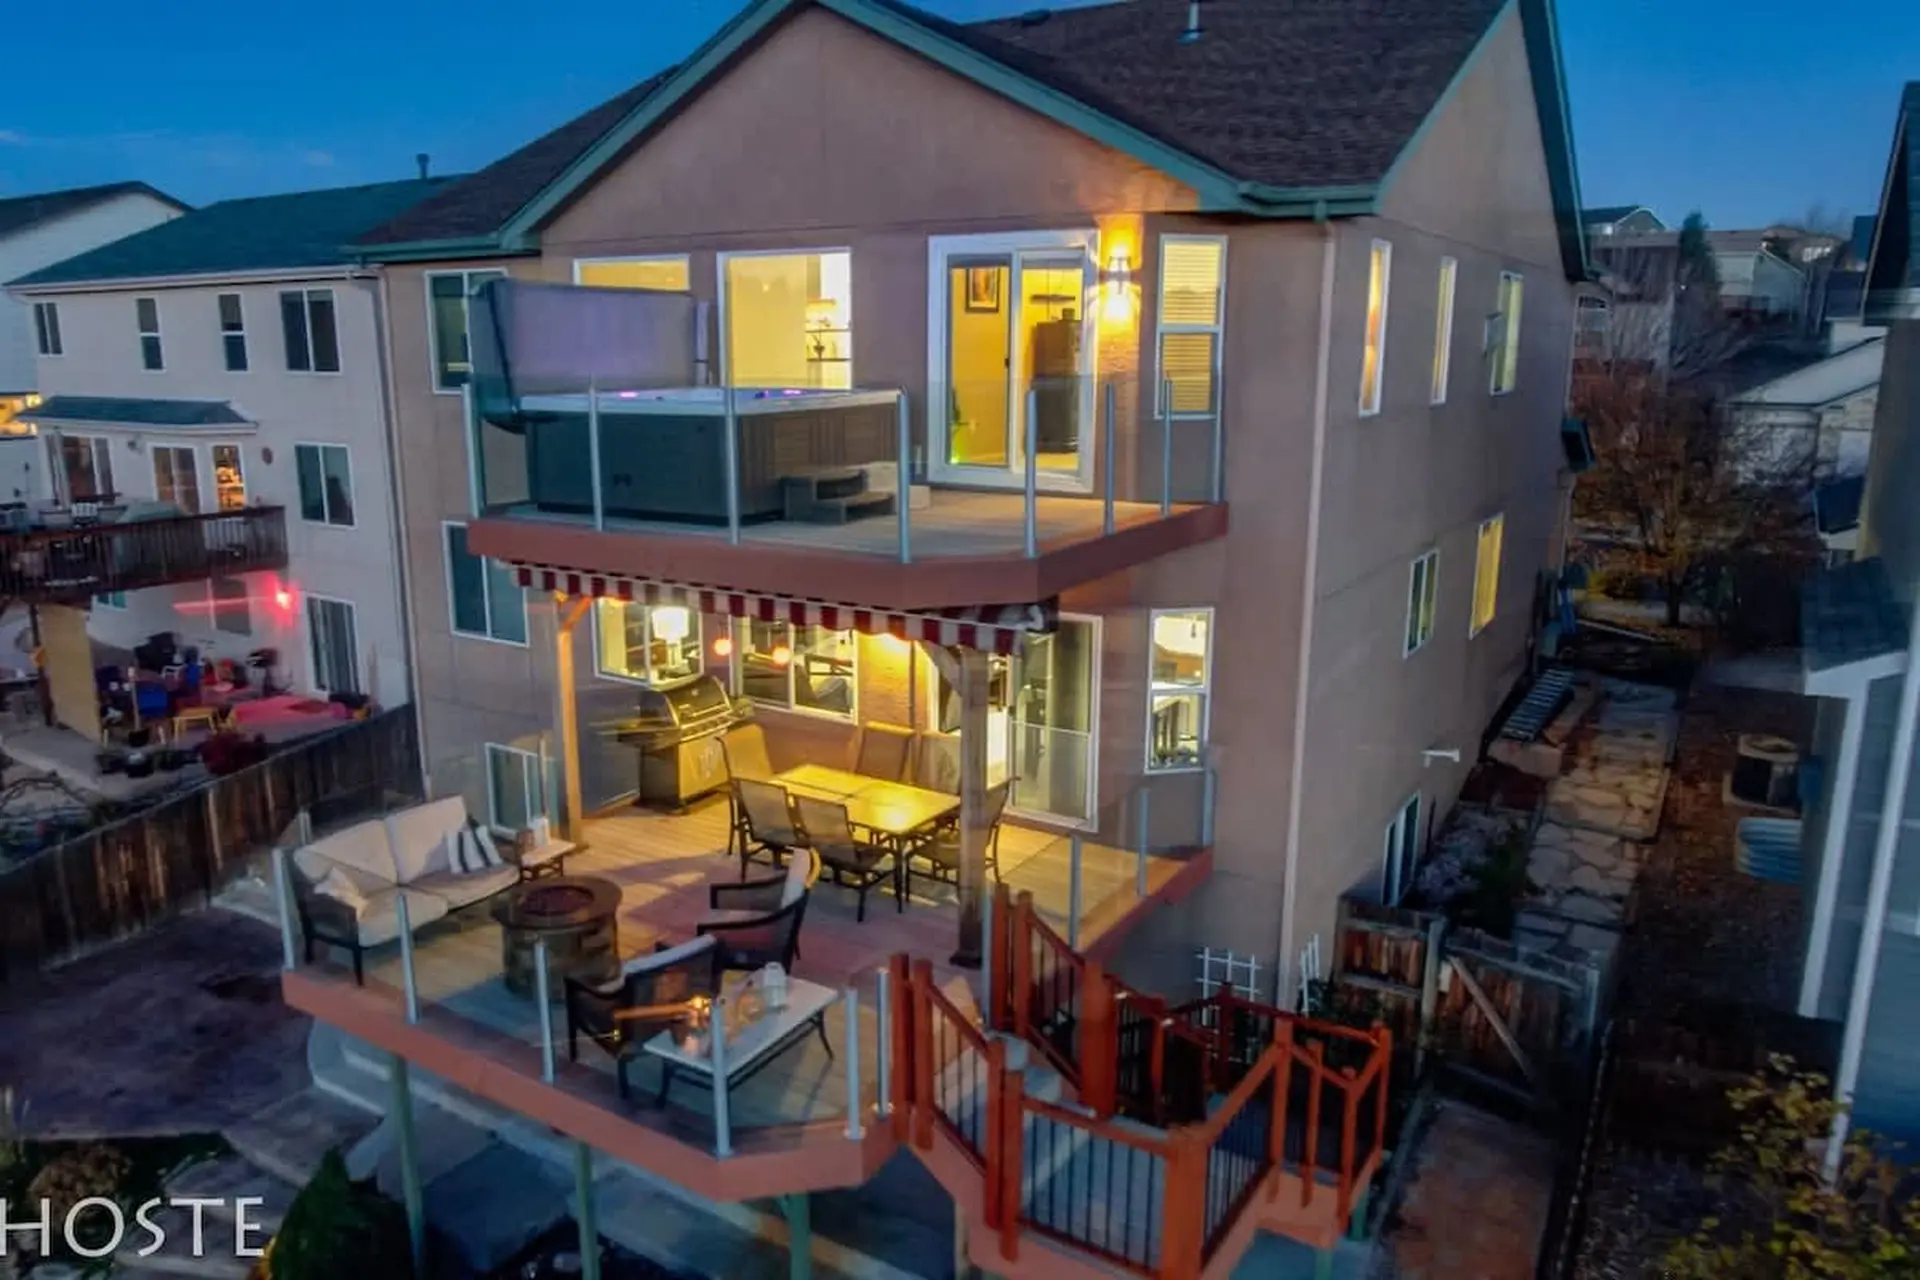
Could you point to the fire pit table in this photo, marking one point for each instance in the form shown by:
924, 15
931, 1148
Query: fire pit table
576, 916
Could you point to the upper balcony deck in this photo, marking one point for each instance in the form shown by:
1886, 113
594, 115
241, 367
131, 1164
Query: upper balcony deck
56, 554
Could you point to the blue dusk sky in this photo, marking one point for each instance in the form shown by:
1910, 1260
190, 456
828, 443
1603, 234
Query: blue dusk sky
1751, 110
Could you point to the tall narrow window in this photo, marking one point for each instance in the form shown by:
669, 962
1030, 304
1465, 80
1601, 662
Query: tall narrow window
1486, 573
1421, 588
46, 329
1179, 682
1401, 852
804, 668
307, 324
335, 646
233, 333
229, 478
649, 644
325, 476
1192, 311
447, 294
1506, 350
176, 478
484, 598
1373, 358
1443, 329
789, 319
146, 313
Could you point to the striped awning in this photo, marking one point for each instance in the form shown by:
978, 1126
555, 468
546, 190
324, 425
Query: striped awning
992, 628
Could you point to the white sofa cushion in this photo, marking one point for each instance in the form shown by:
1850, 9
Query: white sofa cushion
419, 836
339, 885
361, 848
460, 888
380, 919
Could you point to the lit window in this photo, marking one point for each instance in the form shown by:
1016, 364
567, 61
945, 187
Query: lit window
485, 599
663, 274
307, 324
447, 294
325, 474
1373, 360
1486, 573
1192, 284
176, 478
229, 478
233, 332
1506, 350
146, 312
804, 668
789, 320
1443, 329
1401, 851
651, 644
1420, 600
1179, 682
46, 329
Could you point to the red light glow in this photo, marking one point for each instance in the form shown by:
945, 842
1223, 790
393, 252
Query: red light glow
283, 598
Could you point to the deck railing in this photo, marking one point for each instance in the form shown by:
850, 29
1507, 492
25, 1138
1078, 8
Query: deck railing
75, 563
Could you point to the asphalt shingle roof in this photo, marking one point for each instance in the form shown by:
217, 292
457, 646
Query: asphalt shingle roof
17, 213
301, 229
138, 412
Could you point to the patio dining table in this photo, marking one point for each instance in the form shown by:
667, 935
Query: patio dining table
898, 812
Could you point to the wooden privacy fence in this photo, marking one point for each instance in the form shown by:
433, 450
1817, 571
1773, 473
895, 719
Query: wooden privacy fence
1522, 1021
123, 878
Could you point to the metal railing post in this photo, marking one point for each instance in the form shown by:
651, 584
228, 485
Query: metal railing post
1073, 891
988, 944
904, 488
1033, 471
412, 1190
883, 1052
586, 1219
593, 454
1209, 783
406, 958
1166, 449
1140, 819
855, 1101
542, 994
731, 452
722, 1113
282, 894
304, 821
1107, 415
1219, 490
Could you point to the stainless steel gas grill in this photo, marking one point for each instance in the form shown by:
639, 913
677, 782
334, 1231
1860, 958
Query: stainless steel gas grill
677, 729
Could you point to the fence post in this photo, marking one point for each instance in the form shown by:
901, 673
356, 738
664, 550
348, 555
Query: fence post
1099, 1065
883, 1045
722, 1115
900, 1062
1316, 1085
1429, 992
1282, 1097
282, 893
1013, 1117
543, 996
1183, 1205
1073, 891
214, 856
406, 958
923, 1054
855, 1101
1022, 941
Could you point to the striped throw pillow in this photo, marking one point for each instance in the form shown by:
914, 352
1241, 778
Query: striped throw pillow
485, 852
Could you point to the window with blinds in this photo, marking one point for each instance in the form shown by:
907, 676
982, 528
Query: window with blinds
1373, 356
1506, 353
1486, 573
1191, 318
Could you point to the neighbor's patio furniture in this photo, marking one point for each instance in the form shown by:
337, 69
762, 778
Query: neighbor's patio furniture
885, 751
758, 923
348, 885
576, 916
769, 819
853, 862
212, 719
751, 1045
647, 997
745, 748
942, 852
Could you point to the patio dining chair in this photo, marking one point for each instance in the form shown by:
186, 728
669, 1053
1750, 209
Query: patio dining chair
885, 751
649, 996
942, 852
758, 923
745, 750
853, 862
768, 827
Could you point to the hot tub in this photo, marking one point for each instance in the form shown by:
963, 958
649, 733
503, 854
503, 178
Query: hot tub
663, 452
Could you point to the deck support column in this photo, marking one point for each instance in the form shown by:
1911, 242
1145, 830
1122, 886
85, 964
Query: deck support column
583, 1215
1323, 1264
567, 615
410, 1189
798, 1211
974, 676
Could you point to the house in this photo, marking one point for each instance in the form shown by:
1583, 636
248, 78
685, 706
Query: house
1178, 461
1861, 866
227, 366
1620, 220
1819, 414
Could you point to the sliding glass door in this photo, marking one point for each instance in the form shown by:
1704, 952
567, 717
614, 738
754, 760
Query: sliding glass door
1012, 339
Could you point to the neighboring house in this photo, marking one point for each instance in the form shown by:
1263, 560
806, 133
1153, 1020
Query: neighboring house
1862, 866
226, 361
1619, 220
1821, 413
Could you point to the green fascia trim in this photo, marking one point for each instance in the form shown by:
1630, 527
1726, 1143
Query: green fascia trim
1540, 25
431, 250
1217, 189
1262, 200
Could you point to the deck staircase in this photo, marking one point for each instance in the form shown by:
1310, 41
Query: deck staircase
1087, 1129
832, 495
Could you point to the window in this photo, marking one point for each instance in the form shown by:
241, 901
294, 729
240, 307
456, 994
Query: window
1486, 573
1506, 346
1401, 851
232, 613
514, 793
176, 479
805, 668
484, 599
335, 648
1179, 682
1443, 329
46, 329
306, 320
1420, 600
112, 600
651, 644
229, 478
85, 465
326, 483
1192, 311
1373, 359
447, 294
233, 333
664, 274
146, 313
788, 319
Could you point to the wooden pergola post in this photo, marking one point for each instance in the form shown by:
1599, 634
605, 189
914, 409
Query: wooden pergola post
567, 615
974, 676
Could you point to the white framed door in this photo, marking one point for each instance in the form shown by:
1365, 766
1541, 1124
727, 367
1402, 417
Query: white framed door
1012, 334
333, 644
176, 476
1052, 723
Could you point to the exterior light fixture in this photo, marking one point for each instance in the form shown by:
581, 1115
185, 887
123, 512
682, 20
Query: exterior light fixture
722, 646
781, 655
1116, 288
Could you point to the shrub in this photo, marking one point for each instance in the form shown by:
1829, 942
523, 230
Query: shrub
80, 1174
339, 1228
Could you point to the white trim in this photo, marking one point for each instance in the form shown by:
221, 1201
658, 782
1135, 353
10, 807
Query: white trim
1374, 395
353, 486
1396, 879
486, 594
465, 275
59, 339
599, 661
220, 328
159, 343
1013, 244
306, 318
1043, 817
532, 784
154, 451
1509, 335
1839, 817
1474, 625
306, 627
1443, 328
1204, 689
736, 663
1218, 329
1851, 679
1430, 592
720, 261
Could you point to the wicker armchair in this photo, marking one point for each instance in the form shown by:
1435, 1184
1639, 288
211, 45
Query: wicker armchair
768, 828
861, 866
647, 998
757, 923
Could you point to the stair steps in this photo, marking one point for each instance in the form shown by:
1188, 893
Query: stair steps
831, 495
1541, 703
